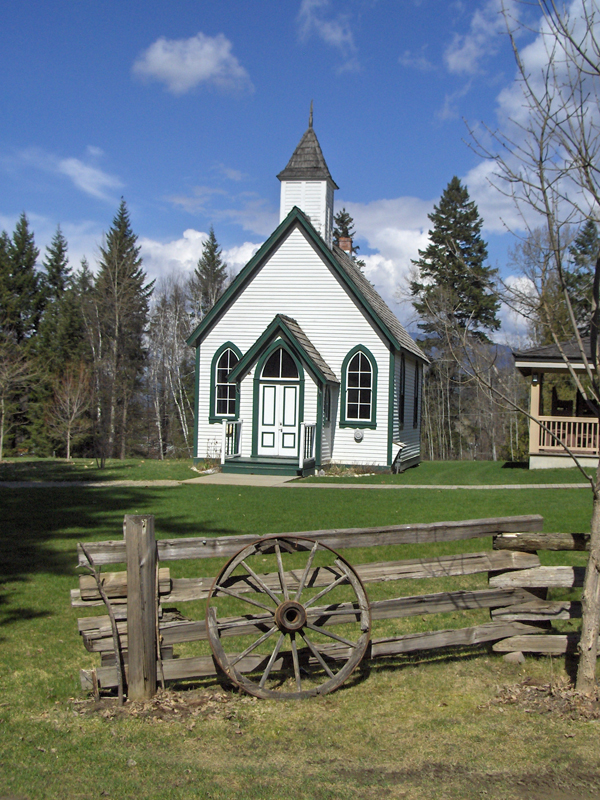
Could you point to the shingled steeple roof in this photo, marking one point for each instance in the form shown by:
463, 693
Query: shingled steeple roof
307, 162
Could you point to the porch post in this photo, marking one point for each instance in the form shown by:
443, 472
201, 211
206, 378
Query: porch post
534, 410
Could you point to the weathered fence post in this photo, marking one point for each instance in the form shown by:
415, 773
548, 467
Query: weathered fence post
140, 547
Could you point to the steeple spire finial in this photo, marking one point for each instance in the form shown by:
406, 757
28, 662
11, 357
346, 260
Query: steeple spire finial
310, 116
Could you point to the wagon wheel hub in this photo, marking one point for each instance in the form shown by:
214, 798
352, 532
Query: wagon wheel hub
290, 616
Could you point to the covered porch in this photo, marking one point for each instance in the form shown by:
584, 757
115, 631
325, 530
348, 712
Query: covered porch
560, 415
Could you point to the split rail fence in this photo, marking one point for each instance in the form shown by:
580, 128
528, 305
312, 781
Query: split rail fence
148, 632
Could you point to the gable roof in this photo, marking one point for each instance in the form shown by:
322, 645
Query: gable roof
287, 329
377, 303
549, 356
340, 264
307, 161
550, 352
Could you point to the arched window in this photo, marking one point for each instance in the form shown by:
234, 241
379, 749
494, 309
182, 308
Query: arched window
223, 393
359, 388
280, 366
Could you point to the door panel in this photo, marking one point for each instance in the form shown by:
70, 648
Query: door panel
278, 420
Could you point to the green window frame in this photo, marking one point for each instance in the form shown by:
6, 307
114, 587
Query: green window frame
359, 389
224, 396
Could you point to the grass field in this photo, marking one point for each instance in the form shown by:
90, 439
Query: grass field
419, 727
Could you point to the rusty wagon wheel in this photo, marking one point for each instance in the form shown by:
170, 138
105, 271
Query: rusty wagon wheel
274, 604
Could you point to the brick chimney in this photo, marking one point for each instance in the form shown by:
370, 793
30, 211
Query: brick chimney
346, 244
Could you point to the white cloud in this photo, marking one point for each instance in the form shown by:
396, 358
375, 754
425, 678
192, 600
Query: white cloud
183, 64
396, 229
84, 175
467, 51
198, 200
89, 179
181, 255
335, 32
255, 215
416, 61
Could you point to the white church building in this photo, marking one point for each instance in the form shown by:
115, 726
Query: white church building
301, 364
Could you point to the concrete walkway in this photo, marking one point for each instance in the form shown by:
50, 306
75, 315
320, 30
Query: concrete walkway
233, 479
280, 481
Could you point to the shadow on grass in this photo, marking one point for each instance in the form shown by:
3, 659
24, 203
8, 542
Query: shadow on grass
515, 465
40, 528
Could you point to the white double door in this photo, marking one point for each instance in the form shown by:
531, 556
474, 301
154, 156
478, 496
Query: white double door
278, 420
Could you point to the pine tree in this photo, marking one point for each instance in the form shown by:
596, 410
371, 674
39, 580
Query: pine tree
344, 229
24, 297
56, 264
579, 278
454, 287
121, 298
210, 274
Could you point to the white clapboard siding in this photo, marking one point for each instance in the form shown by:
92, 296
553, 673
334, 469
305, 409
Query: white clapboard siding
297, 283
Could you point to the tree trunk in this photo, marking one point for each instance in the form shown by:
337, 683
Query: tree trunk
1, 427
590, 601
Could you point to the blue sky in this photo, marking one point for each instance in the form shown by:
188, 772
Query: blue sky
189, 110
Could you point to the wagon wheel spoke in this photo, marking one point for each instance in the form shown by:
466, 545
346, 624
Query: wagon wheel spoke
331, 635
317, 655
242, 598
327, 589
284, 587
271, 661
297, 624
260, 582
253, 646
296, 662
306, 570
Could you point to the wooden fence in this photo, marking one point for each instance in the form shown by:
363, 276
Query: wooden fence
516, 594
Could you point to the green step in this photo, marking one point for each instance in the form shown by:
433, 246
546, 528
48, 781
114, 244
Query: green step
267, 466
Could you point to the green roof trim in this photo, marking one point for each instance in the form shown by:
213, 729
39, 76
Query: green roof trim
296, 218
280, 328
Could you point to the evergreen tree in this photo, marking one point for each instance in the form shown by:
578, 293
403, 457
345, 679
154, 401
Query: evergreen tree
579, 278
56, 264
344, 229
210, 274
121, 298
7, 299
453, 289
23, 296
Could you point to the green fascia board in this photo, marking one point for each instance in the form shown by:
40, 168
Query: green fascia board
247, 273
296, 217
275, 328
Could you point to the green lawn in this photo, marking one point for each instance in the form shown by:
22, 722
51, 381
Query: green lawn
463, 473
87, 469
419, 727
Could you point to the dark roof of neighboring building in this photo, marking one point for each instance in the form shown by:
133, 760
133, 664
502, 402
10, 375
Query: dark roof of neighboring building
551, 352
307, 161
377, 303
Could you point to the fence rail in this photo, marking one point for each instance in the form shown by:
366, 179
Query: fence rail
515, 606
307, 443
579, 434
231, 446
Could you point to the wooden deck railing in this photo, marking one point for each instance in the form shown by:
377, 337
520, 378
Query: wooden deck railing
580, 434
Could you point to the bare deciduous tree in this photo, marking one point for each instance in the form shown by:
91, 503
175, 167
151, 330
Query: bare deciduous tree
549, 163
71, 400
